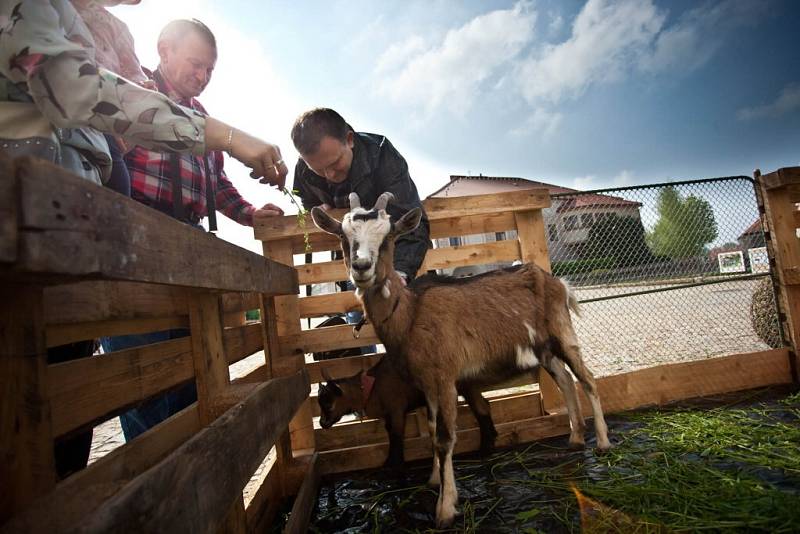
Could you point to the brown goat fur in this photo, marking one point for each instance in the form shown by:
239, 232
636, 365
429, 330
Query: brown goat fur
393, 396
448, 330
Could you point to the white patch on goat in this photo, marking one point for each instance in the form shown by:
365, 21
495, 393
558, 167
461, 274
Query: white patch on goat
369, 233
531, 333
526, 358
385, 291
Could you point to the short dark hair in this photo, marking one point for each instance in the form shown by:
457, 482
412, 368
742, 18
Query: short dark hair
176, 30
313, 125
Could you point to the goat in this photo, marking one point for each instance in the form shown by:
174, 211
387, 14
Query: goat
387, 392
516, 319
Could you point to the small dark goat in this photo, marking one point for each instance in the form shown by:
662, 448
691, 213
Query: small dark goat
387, 392
515, 321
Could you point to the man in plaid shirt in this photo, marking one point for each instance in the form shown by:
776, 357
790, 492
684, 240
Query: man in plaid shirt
188, 54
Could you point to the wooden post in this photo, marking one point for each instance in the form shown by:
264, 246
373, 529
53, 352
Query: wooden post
533, 249
285, 315
27, 464
212, 377
780, 191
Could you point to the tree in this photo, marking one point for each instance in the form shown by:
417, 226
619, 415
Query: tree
685, 225
621, 238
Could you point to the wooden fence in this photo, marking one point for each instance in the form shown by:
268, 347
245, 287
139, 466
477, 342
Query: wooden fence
79, 262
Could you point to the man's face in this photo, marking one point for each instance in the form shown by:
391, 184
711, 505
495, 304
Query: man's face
188, 64
332, 159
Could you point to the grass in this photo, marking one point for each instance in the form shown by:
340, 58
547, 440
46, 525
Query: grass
728, 468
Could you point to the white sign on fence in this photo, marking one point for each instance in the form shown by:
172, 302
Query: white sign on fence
731, 262
759, 260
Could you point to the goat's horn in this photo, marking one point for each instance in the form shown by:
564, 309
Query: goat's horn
355, 202
384, 199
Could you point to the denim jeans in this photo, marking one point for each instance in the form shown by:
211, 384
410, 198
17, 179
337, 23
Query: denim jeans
151, 412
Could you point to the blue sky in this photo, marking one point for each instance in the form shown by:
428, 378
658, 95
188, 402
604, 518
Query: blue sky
584, 94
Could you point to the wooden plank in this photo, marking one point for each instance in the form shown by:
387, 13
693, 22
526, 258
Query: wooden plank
109, 236
510, 434
90, 390
781, 178
9, 232
82, 493
532, 239
69, 333
213, 380
97, 301
504, 410
341, 367
319, 273
678, 381
285, 360
191, 489
332, 303
306, 499
328, 338
264, 506
458, 256
480, 214
27, 468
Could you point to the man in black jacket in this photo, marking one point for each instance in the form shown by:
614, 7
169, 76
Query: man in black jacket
336, 161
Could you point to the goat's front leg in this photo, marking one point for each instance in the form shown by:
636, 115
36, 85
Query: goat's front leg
445, 442
396, 428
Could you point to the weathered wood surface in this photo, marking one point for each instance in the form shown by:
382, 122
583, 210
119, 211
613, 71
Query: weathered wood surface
373, 455
193, 488
83, 492
786, 176
8, 210
480, 213
27, 467
504, 409
306, 499
90, 390
70, 229
327, 338
94, 301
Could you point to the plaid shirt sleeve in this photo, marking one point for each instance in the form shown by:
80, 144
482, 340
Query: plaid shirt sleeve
229, 200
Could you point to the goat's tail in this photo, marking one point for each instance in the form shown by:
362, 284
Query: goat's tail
572, 300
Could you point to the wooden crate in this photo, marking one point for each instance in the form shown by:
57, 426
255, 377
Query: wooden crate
79, 262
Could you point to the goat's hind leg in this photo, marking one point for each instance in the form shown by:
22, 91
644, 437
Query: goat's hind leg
433, 409
572, 357
445, 443
556, 368
482, 412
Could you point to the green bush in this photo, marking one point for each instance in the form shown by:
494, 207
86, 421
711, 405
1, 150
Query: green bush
564, 268
252, 315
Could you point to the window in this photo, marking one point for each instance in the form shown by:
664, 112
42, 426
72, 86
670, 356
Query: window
587, 220
500, 236
552, 232
571, 222
455, 241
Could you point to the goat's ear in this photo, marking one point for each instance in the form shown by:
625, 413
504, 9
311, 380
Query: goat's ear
408, 222
325, 222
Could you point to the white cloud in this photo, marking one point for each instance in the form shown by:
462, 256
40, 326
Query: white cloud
787, 101
555, 24
542, 122
699, 33
623, 179
450, 74
607, 38
584, 183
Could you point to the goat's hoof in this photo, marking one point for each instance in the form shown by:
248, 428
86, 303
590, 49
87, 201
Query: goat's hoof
576, 444
604, 447
445, 518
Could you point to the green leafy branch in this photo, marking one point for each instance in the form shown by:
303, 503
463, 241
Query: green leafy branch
301, 215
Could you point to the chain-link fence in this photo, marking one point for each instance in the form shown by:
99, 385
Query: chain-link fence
665, 272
